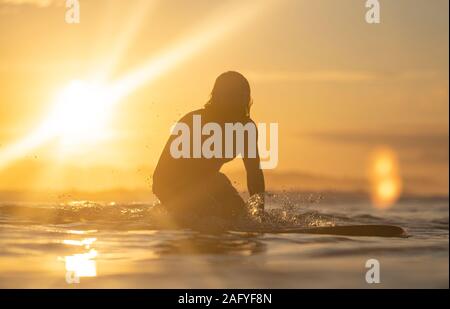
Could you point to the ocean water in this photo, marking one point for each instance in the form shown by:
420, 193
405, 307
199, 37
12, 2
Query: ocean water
83, 244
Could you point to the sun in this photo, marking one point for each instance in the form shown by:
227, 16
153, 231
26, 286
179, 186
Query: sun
80, 114
83, 109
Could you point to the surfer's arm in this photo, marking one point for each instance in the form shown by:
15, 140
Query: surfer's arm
255, 176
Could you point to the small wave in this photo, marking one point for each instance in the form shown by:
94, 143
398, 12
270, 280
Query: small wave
145, 216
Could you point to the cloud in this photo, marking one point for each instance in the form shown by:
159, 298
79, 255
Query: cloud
422, 146
403, 140
337, 76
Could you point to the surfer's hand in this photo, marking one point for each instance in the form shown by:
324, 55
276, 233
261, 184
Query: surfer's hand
262, 201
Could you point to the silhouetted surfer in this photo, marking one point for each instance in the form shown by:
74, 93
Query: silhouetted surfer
193, 183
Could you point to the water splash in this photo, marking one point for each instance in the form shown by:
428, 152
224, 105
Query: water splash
289, 213
281, 211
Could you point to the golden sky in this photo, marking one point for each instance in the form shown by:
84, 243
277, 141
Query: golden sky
338, 87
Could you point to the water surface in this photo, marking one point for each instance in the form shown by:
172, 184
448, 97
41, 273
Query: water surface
91, 245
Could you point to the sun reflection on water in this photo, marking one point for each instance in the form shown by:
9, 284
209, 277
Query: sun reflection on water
80, 264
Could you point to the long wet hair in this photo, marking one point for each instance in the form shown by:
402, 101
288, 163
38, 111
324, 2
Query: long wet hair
230, 98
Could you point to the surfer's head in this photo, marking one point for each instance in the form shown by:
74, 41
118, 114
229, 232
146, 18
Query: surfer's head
230, 97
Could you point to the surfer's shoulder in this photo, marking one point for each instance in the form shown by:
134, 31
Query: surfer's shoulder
249, 120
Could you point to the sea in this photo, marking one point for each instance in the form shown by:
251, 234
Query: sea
86, 244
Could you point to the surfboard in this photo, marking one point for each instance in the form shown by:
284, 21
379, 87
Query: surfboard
344, 230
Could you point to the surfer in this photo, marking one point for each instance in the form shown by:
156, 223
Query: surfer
190, 184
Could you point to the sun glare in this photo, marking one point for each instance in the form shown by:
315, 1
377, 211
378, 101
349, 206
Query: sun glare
386, 182
82, 109
81, 264
80, 113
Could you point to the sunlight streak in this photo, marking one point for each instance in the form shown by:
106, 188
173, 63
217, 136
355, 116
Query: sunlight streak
23, 147
126, 36
76, 118
210, 31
